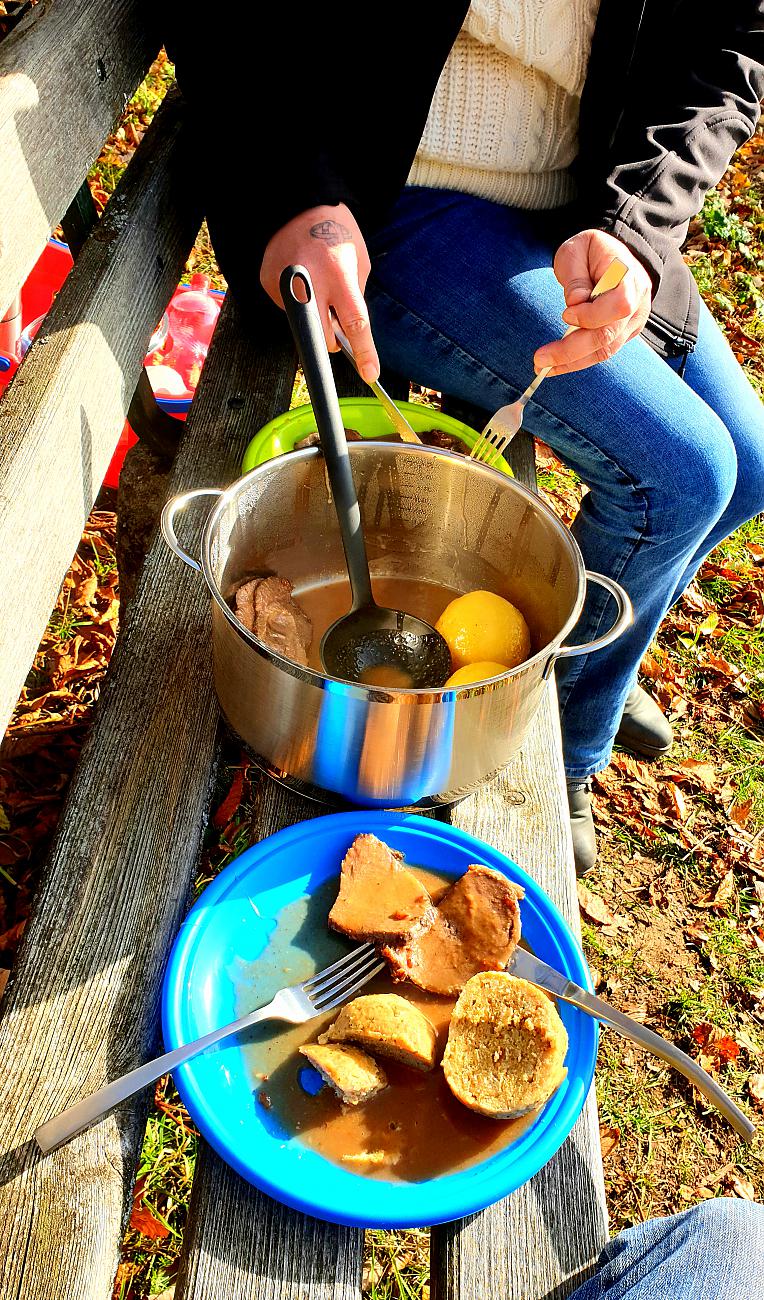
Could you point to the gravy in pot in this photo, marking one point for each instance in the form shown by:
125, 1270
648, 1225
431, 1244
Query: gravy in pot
325, 602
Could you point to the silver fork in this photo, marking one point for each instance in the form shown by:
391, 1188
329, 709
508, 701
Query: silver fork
393, 413
502, 427
314, 997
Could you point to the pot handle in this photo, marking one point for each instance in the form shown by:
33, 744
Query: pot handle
624, 618
171, 509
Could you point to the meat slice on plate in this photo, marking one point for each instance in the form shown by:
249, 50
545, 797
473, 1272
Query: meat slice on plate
267, 607
475, 927
379, 899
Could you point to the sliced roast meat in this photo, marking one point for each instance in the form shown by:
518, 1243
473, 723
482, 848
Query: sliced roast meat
267, 608
476, 927
448, 441
379, 900
313, 440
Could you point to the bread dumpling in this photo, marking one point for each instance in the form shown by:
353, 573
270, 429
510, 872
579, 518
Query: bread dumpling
386, 1025
506, 1046
354, 1075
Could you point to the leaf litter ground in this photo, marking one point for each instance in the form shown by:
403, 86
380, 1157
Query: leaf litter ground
673, 914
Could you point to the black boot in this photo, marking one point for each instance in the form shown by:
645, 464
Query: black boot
643, 729
582, 824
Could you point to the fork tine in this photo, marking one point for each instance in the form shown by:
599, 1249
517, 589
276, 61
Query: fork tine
317, 980
341, 994
348, 970
487, 454
482, 444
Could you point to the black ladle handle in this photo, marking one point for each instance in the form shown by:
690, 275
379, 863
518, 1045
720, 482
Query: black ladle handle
308, 334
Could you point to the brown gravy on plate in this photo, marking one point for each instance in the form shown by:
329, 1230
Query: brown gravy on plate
415, 1129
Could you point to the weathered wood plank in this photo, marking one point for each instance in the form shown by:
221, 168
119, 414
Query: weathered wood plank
539, 1243
63, 413
239, 1243
82, 1006
242, 1245
65, 76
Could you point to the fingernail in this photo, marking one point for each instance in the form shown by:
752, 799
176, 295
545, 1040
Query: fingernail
369, 374
570, 316
542, 359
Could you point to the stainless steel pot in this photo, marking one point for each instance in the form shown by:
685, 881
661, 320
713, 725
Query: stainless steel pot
426, 514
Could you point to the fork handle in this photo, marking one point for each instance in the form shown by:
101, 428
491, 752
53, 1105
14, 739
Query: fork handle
610, 280
83, 1113
674, 1056
396, 417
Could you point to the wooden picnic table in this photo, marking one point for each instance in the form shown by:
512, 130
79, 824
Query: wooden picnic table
82, 1003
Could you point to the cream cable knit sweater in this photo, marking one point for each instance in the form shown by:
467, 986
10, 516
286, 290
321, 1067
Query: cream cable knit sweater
503, 123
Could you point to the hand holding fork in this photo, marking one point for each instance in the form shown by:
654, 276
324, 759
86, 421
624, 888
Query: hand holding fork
502, 427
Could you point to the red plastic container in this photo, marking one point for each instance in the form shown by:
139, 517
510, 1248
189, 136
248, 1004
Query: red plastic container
193, 312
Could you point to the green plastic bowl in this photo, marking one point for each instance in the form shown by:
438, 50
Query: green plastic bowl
361, 413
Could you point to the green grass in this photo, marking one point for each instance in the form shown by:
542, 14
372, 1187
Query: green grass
167, 1164
397, 1265
64, 624
721, 223
103, 564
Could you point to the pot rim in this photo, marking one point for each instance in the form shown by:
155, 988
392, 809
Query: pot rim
388, 693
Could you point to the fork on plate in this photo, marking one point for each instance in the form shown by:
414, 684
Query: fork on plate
502, 427
323, 992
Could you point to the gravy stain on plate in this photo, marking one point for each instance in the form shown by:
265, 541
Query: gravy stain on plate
415, 1129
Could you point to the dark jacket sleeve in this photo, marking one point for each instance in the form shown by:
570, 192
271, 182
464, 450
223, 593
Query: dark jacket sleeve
691, 99
311, 104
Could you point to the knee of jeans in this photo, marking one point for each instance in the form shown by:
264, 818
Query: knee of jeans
697, 480
726, 1221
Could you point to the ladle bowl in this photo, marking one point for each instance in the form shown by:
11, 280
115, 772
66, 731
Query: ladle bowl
385, 647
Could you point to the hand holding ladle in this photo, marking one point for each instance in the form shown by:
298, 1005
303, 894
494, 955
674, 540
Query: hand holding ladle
370, 644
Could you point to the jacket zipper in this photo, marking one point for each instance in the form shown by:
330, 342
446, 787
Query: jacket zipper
679, 347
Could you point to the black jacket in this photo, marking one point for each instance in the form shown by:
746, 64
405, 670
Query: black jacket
328, 104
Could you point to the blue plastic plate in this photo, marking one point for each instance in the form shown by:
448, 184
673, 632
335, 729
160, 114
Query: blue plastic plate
224, 963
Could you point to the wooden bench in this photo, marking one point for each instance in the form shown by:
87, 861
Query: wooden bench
82, 1004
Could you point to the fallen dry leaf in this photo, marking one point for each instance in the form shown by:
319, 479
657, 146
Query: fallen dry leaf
715, 1044
609, 1139
718, 899
142, 1220
740, 812
231, 802
677, 802
740, 1187
756, 1090
593, 906
696, 770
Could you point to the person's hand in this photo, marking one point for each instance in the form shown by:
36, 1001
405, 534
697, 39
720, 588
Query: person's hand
608, 322
328, 243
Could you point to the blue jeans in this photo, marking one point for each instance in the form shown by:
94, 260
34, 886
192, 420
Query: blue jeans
462, 293
712, 1252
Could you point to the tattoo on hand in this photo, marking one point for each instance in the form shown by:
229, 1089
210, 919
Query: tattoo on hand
331, 233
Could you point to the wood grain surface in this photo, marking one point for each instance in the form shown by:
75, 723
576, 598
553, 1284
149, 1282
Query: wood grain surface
82, 1006
62, 415
65, 75
539, 1242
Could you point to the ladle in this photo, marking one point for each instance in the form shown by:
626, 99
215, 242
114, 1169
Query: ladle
371, 644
